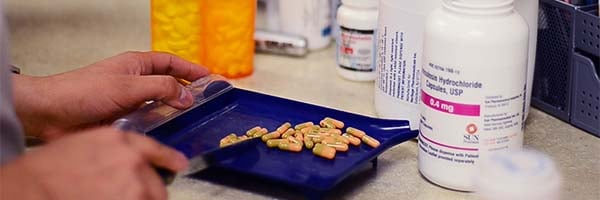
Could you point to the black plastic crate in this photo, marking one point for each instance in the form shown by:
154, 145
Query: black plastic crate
566, 83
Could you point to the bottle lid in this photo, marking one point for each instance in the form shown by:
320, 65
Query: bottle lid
362, 3
524, 174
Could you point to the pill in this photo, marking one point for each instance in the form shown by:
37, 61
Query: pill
288, 133
324, 151
302, 125
289, 146
339, 146
353, 140
253, 130
341, 139
326, 124
295, 140
271, 135
243, 137
284, 127
331, 131
275, 142
299, 136
337, 123
328, 139
260, 132
228, 137
370, 141
355, 132
308, 143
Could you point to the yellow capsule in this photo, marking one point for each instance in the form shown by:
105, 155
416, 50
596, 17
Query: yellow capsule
341, 139
275, 142
252, 131
324, 151
332, 131
288, 133
295, 140
328, 139
339, 146
260, 132
370, 141
284, 127
228, 137
353, 140
243, 137
302, 125
338, 124
288, 146
326, 124
355, 132
305, 129
308, 143
271, 135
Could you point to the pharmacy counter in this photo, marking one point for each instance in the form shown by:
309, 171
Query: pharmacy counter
56, 36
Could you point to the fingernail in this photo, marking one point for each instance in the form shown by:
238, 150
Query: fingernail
181, 161
185, 97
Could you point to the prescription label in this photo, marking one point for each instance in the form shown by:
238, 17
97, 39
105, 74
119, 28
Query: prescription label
356, 49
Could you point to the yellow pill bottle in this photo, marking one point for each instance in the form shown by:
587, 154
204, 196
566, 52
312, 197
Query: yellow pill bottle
214, 33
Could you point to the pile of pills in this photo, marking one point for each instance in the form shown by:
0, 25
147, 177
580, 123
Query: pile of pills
176, 28
324, 139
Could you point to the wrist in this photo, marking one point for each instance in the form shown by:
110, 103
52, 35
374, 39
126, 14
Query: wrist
31, 105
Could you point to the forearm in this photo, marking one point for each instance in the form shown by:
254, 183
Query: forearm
31, 106
17, 183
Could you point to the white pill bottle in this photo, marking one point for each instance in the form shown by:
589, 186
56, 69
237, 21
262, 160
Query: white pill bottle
473, 86
399, 58
355, 43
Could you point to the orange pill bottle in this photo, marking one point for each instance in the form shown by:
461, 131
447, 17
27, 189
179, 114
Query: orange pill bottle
220, 34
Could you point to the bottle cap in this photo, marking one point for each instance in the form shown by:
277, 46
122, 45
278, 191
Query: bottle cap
524, 174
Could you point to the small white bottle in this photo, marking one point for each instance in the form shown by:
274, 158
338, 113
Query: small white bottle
473, 87
356, 41
399, 58
308, 18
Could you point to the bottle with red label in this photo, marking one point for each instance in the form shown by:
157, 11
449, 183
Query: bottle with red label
357, 21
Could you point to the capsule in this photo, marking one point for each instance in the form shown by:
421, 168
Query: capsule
355, 132
308, 143
271, 135
328, 139
252, 131
302, 125
228, 138
289, 146
341, 139
243, 137
339, 146
284, 127
353, 140
295, 140
370, 141
338, 124
324, 151
288, 133
260, 132
326, 124
275, 142
299, 136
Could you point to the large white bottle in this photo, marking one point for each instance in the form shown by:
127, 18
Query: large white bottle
473, 86
400, 45
529, 10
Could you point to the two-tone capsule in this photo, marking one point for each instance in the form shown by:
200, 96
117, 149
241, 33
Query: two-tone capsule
324, 151
290, 146
337, 123
370, 141
353, 140
355, 132
271, 135
275, 142
284, 127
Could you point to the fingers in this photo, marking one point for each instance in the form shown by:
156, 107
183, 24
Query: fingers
161, 88
157, 154
154, 186
159, 63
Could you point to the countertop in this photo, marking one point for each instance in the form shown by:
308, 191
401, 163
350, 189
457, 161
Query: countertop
49, 37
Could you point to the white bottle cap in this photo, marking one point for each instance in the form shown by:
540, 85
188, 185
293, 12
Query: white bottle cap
518, 175
362, 3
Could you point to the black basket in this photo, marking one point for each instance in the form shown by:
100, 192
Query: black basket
567, 64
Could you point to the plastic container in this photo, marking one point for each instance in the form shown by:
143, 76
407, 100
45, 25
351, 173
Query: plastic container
566, 83
473, 87
520, 175
529, 10
308, 18
357, 39
400, 24
188, 28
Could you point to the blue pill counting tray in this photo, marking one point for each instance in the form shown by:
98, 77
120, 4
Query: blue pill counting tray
221, 109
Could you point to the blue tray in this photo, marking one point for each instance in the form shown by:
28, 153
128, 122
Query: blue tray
237, 110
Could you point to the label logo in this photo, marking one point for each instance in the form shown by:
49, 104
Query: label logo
471, 137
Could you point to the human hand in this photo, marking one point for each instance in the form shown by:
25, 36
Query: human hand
101, 163
101, 92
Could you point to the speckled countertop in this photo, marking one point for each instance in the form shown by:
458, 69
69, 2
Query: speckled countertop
55, 36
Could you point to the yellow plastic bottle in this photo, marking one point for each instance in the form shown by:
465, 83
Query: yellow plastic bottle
213, 33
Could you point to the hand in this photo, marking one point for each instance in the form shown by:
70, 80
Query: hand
99, 93
96, 164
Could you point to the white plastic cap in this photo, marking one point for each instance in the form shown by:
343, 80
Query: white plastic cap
518, 175
361, 3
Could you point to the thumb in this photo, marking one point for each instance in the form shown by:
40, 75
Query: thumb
162, 88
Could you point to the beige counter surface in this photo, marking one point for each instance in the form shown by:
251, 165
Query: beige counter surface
55, 36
